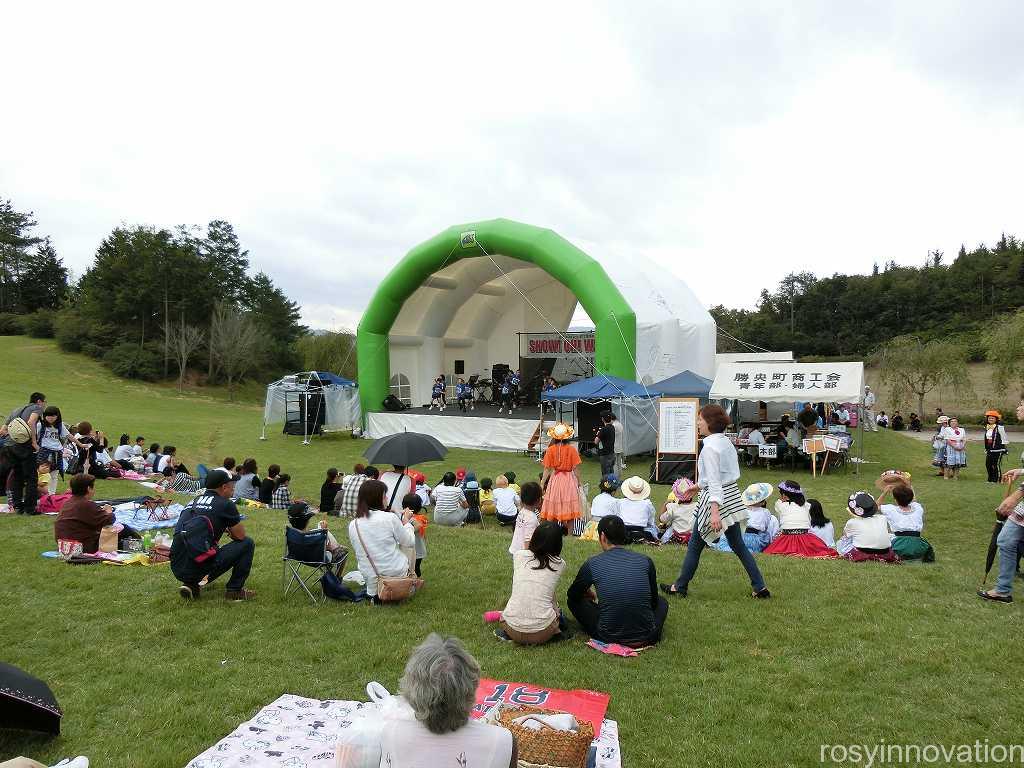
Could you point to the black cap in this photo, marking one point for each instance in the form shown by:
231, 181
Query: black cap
300, 510
217, 478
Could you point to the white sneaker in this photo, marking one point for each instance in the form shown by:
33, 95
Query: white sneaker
79, 762
501, 410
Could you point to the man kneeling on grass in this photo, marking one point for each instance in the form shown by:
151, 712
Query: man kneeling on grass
195, 551
630, 611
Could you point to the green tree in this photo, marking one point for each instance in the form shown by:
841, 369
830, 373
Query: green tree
43, 282
913, 368
1004, 347
15, 242
332, 351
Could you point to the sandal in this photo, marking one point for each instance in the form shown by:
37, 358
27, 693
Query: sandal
670, 589
762, 594
995, 598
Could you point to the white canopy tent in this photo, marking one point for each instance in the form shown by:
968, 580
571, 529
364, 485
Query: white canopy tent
308, 401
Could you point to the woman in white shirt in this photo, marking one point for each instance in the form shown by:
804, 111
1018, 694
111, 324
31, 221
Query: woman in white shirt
906, 519
955, 437
605, 502
439, 687
866, 533
528, 517
794, 515
123, 453
378, 536
532, 615
637, 511
720, 507
450, 505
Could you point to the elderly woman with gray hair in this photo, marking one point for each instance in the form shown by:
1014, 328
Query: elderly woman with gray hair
439, 685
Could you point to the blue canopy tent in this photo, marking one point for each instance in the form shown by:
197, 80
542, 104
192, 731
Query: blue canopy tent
685, 384
632, 403
327, 377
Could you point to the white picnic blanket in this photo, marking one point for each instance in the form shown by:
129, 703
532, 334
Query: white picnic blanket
295, 732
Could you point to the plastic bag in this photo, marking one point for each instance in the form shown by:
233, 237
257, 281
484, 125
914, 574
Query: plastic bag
359, 744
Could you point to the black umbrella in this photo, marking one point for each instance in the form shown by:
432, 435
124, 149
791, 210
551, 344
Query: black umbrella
990, 557
405, 449
26, 702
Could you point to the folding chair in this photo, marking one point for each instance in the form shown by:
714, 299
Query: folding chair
201, 473
305, 557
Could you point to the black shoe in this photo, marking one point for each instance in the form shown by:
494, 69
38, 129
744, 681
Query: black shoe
670, 589
565, 634
189, 591
763, 594
502, 635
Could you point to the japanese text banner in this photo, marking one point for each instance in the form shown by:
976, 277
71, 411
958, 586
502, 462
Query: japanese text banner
789, 382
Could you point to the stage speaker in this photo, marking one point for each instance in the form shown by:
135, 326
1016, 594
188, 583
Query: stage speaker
460, 367
313, 403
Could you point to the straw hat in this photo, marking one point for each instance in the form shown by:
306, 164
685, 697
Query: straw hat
683, 488
561, 431
636, 488
942, 420
756, 493
997, 414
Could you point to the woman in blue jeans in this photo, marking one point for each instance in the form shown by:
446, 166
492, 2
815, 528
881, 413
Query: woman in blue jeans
719, 506
1011, 537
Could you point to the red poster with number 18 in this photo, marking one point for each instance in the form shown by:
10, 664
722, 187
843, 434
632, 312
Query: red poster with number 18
585, 705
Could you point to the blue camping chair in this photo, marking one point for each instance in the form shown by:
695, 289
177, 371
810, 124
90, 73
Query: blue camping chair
306, 559
201, 473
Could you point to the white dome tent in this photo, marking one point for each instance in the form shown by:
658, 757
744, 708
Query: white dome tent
311, 402
467, 317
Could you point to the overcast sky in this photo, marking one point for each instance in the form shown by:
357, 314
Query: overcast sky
730, 142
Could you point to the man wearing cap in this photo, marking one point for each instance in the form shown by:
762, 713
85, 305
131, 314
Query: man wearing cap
869, 409
217, 507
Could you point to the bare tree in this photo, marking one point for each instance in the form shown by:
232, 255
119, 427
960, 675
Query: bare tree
913, 368
233, 341
184, 341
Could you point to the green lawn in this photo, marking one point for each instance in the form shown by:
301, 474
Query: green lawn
842, 654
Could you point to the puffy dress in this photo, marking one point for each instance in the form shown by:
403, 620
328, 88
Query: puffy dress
795, 538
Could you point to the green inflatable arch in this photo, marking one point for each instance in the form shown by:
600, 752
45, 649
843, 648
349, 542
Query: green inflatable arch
614, 319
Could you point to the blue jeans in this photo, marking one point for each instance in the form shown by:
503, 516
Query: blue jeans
734, 535
1008, 542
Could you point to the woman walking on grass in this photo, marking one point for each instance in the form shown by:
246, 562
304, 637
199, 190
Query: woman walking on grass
720, 506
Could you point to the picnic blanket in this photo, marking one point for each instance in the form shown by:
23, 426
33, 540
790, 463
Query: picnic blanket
295, 732
126, 515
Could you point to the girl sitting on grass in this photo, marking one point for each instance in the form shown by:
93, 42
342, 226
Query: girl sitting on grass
413, 504
532, 615
605, 502
506, 502
528, 517
866, 533
486, 496
906, 519
677, 514
821, 526
282, 496
795, 538
762, 527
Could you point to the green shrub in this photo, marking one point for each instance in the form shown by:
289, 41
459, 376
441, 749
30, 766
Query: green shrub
10, 325
130, 361
39, 324
71, 331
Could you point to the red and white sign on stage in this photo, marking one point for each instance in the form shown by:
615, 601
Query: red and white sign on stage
556, 344
584, 705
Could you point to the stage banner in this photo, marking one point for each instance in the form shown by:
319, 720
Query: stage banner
556, 344
584, 705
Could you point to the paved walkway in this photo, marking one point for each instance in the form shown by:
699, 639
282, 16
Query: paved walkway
1015, 435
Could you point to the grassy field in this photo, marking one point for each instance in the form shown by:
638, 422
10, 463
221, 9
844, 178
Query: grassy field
843, 653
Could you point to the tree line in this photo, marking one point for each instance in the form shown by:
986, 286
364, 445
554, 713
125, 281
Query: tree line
853, 315
158, 304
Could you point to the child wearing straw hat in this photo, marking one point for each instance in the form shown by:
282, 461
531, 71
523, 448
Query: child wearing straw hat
561, 478
677, 514
637, 511
762, 527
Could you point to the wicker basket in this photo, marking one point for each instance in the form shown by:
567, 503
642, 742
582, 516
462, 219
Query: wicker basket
548, 746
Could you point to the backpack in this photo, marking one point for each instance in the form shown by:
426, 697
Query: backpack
19, 431
196, 535
392, 403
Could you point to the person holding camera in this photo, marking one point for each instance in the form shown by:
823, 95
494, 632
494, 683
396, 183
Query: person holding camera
606, 445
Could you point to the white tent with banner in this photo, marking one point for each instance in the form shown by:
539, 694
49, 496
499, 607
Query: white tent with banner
789, 382
792, 383
310, 403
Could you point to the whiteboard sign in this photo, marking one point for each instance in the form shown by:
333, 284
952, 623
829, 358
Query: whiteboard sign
769, 451
677, 424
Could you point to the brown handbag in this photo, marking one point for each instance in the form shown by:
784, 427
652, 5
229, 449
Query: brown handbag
390, 589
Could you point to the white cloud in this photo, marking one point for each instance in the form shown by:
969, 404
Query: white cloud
728, 142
